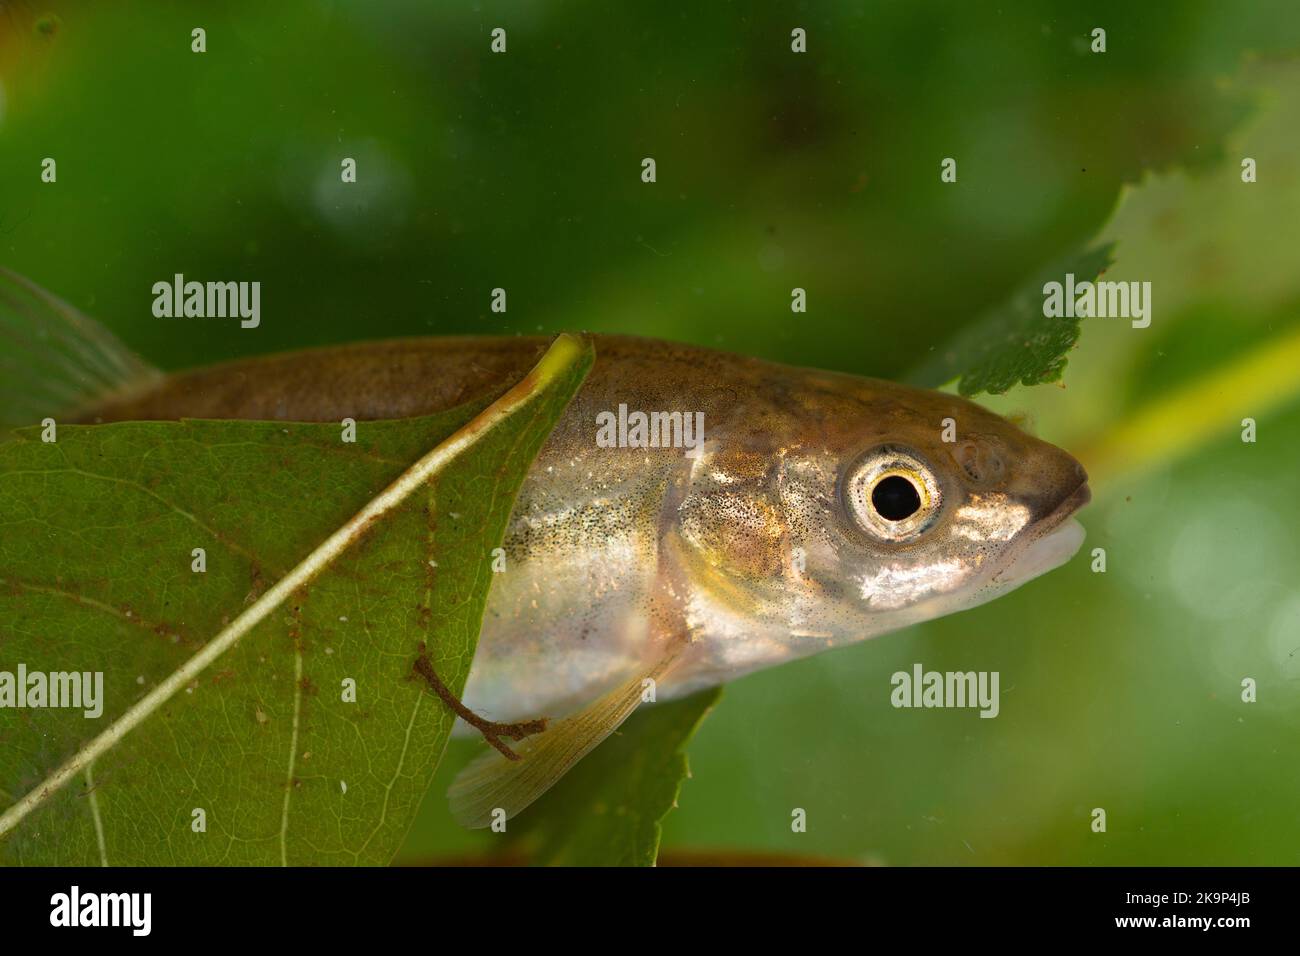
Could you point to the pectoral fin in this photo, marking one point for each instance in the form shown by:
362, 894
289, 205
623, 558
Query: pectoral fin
493, 783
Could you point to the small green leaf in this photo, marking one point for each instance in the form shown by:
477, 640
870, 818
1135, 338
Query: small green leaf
1015, 343
609, 809
224, 690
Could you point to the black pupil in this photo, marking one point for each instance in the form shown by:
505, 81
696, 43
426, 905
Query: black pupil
895, 498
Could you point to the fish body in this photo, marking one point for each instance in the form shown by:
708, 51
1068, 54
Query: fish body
815, 510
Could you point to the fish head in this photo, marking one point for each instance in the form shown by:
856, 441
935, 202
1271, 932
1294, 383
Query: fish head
852, 507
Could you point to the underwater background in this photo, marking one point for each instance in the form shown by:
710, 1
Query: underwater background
1120, 690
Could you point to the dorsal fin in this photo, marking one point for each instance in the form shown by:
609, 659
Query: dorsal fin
54, 360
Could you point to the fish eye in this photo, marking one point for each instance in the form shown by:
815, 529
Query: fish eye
892, 494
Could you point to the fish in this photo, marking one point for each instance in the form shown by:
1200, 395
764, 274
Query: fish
806, 511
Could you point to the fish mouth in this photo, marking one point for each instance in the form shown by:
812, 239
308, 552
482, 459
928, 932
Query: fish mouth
1067, 507
1055, 538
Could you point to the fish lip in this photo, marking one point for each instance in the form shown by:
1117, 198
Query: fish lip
1067, 506
1050, 522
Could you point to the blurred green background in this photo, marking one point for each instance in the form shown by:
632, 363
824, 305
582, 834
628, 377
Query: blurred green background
1120, 690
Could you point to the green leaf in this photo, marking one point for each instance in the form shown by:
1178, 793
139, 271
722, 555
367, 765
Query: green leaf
225, 688
1015, 343
1223, 343
609, 809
